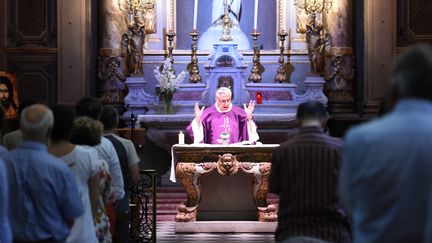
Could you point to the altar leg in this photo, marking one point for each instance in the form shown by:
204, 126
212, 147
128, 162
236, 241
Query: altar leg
188, 174
261, 173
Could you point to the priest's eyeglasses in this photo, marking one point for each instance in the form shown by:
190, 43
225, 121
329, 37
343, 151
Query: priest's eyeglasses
224, 101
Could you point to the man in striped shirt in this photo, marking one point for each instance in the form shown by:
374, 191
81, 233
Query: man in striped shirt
305, 174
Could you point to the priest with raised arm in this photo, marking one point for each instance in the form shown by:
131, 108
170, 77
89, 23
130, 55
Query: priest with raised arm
223, 119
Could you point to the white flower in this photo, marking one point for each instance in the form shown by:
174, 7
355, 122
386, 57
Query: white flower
168, 81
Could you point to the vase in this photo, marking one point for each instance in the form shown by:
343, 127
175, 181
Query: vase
169, 109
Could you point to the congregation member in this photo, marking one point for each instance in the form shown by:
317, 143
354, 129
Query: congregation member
92, 107
43, 195
304, 174
3, 150
11, 139
386, 171
85, 164
88, 132
5, 230
129, 164
210, 125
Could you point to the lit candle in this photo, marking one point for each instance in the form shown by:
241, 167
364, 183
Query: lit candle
195, 15
256, 15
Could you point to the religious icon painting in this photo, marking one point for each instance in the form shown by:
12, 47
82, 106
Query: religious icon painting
8, 94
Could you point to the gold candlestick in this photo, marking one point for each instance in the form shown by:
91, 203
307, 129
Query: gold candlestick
194, 76
281, 74
227, 24
171, 36
255, 72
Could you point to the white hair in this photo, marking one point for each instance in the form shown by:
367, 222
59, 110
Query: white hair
41, 125
223, 90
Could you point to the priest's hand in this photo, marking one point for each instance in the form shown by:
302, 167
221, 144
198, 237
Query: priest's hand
198, 112
249, 109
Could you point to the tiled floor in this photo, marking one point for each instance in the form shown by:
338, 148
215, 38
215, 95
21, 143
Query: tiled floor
165, 233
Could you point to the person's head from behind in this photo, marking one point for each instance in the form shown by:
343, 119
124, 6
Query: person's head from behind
109, 117
6, 93
223, 98
63, 122
36, 123
86, 131
88, 106
312, 113
412, 73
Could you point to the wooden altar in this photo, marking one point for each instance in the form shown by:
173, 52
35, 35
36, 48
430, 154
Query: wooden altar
224, 182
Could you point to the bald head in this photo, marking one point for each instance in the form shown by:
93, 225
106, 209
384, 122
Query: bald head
36, 122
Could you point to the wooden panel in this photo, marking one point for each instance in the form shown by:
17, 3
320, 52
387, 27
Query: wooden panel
414, 22
380, 44
32, 22
2, 35
36, 74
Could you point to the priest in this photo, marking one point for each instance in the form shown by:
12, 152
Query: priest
222, 122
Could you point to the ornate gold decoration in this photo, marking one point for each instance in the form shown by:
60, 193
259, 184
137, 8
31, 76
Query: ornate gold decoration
301, 20
133, 40
171, 36
313, 7
255, 71
339, 81
227, 25
194, 76
315, 36
114, 90
281, 76
227, 164
150, 16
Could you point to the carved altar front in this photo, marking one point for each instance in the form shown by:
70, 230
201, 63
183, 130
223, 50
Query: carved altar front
224, 182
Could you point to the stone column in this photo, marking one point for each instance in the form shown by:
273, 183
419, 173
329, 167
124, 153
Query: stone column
112, 26
339, 73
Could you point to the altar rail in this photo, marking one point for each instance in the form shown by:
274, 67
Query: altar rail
143, 208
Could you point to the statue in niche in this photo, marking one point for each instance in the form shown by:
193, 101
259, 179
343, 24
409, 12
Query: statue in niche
316, 41
213, 34
133, 40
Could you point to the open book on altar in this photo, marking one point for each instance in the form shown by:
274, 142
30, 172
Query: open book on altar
195, 150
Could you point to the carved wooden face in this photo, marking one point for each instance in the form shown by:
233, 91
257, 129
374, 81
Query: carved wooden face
227, 162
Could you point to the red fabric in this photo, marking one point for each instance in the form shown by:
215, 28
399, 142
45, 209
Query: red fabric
110, 210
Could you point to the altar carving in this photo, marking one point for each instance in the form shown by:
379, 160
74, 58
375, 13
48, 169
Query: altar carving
196, 163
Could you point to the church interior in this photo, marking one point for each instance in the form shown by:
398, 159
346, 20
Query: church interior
277, 53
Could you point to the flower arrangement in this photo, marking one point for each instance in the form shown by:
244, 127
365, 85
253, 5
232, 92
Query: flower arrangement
168, 81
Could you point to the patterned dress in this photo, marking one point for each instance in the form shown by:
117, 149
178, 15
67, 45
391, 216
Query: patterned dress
102, 224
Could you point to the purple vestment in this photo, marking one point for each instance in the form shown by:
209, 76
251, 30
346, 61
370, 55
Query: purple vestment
214, 123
